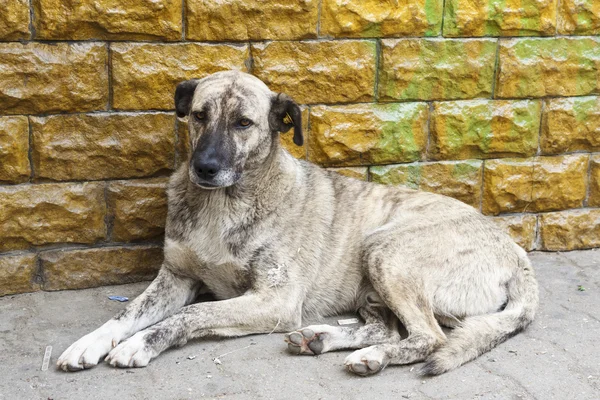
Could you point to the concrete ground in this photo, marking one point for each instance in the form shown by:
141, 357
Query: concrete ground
558, 357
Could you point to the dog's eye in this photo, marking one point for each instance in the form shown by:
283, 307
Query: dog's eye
199, 115
244, 122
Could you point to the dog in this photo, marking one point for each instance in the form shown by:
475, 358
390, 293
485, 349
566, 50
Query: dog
275, 239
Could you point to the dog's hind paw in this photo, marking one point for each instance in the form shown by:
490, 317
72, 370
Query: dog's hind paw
310, 340
367, 361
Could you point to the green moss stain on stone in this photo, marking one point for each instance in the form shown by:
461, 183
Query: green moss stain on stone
494, 23
373, 30
431, 69
549, 67
398, 141
433, 13
407, 175
450, 28
584, 107
466, 170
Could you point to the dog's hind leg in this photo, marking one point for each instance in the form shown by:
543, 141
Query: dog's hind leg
381, 326
391, 268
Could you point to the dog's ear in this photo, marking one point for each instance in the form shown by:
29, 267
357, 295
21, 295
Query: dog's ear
183, 97
285, 114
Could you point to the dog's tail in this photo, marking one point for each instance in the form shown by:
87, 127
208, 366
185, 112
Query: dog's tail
481, 333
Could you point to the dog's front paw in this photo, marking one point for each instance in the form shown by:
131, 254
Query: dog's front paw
134, 352
87, 351
311, 340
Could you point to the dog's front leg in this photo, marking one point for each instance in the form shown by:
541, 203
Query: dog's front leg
247, 314
165, 295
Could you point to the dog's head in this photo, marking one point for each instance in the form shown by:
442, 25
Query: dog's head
233, 121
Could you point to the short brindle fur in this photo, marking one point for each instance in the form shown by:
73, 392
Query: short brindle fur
276, 240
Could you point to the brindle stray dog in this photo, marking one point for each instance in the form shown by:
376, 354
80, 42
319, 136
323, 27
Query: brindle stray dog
275, 240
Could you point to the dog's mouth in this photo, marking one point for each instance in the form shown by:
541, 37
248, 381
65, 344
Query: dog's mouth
223, 179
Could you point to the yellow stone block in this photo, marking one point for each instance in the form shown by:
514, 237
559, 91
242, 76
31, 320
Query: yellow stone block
367, 133
33, 215
44, 78
548, 67
570, 125
80, 269
521, 227
103, 145
145, 75
359, 173
251, 19
500, 18
484, 129
14, 149
534, 184
14, 20
570, 230
138, 209
434, 69
594, 195
579, 17
460, 179
381, 18
107, 19
17, 274
318, 72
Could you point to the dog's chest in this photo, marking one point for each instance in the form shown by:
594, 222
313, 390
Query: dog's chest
215, 263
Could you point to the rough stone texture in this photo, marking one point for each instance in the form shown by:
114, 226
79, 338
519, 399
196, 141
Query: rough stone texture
548, 67
377, 18
38, 77
484, 129
461, 180
14, 19
32, 215
570, 125
360, 173
522, 228
14, 148
145, 75
138, 209
318, 72
78, 269
367, 133
102, 146
107, 19
17, 274
534, 184
500, 18
251, 19
594, 195
570, 230
579, 17
431, 69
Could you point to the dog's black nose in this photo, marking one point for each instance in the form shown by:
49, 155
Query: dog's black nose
206, 169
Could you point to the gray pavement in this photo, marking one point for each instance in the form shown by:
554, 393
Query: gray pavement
558, 357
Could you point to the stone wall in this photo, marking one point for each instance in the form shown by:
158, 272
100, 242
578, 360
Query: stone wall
494, 102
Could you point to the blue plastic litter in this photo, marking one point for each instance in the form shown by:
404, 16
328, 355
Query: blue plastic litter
119, 298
